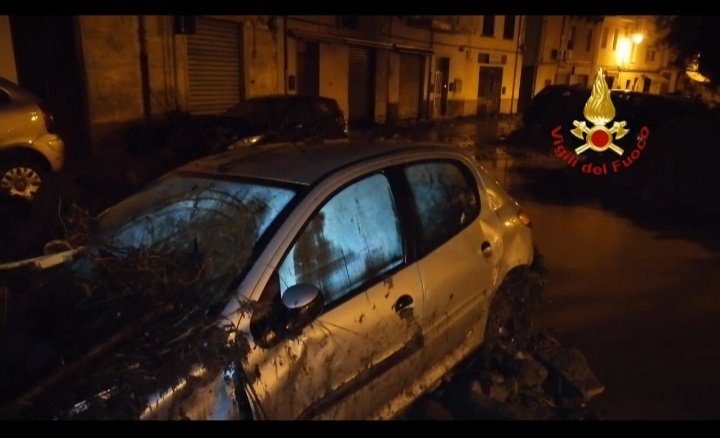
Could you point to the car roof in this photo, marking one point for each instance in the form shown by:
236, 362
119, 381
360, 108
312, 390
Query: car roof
278, 97
305, 163
15, 91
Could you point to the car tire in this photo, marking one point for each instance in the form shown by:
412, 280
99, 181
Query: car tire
511, 317
21, 179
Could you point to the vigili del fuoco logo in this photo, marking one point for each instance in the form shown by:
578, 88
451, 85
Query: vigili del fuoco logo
600, 150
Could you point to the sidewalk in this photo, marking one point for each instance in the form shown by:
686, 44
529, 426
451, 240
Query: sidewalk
467, 132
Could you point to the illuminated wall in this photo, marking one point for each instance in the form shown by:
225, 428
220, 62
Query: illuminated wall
632, 55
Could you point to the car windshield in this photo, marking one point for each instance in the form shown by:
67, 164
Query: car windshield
164, 261
202, 213
217, 223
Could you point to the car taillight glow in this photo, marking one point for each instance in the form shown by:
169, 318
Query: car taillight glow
524, 218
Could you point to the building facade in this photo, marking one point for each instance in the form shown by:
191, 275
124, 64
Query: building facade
99, 73
567, 50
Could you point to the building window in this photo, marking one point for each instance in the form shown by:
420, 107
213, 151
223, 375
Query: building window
571, 41
604, 37
650, 55
615, 38
509, 29
488, 28
588, 42
348, 21
483, 58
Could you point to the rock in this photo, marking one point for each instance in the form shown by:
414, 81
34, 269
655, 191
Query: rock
569, 372
499, 392
495, 387
434, 410
513, 389
530, 373
476, 387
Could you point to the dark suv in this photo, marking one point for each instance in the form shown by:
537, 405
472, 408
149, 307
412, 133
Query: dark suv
563, 103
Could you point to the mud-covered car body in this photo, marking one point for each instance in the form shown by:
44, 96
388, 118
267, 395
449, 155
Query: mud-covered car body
305, 281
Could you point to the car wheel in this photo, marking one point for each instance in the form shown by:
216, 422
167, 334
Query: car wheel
21, 179
511, 319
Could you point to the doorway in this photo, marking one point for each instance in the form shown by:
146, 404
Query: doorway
647, 83
489, 85
308, 68
442, 79
361, 95
526, 85
47, 57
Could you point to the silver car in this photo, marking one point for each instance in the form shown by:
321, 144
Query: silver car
347, 280
28, 146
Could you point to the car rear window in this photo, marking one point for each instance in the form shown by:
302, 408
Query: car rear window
326, 106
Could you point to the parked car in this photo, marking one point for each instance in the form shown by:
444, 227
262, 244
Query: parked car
271, 119
561, 104
29, 146
285, 281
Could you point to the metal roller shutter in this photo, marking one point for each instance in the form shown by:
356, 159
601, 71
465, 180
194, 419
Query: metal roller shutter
411, 85
361, 84
214, 66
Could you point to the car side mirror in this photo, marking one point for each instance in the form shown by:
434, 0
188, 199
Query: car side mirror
303, 303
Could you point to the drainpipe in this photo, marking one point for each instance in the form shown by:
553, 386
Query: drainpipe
144, 68
431, 78
562, 38
517, 51
285, 55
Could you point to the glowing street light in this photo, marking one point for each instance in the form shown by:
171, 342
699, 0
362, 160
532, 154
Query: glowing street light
638, 37
624, 49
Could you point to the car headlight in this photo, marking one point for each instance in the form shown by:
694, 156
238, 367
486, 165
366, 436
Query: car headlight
247, 141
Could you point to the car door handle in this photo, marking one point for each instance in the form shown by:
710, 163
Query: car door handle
486, 249
402, 303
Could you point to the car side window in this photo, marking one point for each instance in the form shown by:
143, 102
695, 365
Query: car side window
446, 199
353, 240
298, 111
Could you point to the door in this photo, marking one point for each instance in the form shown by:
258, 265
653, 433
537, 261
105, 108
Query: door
490, 84
308, 68
526, 84
362, 86
46, 53
352, 359
411, 82
214, 70
456, 273
647, 83
443, 74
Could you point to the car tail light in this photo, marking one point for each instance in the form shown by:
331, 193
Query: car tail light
49, 119
524, 218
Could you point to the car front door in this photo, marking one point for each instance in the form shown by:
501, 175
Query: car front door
349, 361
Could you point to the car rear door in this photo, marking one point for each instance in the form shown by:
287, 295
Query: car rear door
351, 360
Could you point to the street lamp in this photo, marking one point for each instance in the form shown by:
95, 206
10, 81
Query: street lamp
624, 49
638, 37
